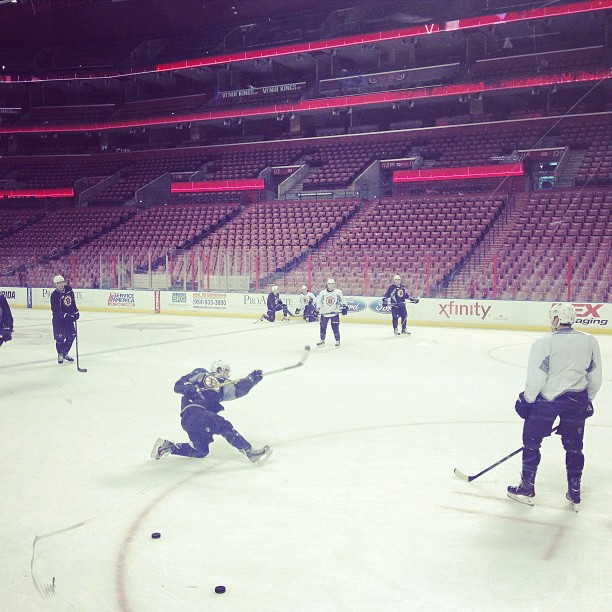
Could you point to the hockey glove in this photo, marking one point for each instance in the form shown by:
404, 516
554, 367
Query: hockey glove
76, 315
414, 300
589, 411
6, 333
244, 385
522, 406
297, 311
385, 302
344, 310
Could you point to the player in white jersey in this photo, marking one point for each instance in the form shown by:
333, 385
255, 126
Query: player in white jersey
306, 305
563, 377
331, 303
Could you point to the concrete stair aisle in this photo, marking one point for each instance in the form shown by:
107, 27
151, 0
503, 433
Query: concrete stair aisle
476, 276
565, 178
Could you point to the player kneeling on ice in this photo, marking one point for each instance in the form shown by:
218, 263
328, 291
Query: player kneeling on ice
274, 305
563, 377
306, 301
397, 294
331, 303
203, 392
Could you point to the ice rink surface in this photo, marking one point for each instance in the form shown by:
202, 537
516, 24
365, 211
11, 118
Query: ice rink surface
357, 509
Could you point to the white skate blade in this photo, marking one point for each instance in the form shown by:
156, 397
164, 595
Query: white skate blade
262, 459
522, 499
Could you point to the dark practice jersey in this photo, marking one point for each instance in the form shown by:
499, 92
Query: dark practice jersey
397, 295
63, 302
274, 302
202, 388
6, 318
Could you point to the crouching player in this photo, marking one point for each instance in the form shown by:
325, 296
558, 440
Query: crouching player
202, 392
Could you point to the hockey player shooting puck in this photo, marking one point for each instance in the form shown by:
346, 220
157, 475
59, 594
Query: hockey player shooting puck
156, 535
220, 589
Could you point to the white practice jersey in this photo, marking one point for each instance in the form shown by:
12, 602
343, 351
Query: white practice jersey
305, 298
564, 360
330, 303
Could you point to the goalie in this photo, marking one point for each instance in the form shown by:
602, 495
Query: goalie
202, 393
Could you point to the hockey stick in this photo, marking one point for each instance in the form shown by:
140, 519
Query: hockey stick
461, 476
76, 336
301, 362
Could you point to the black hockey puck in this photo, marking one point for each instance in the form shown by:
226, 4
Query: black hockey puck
220, 589
156, 535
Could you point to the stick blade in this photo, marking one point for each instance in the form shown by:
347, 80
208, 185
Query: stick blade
305, 354
461, 476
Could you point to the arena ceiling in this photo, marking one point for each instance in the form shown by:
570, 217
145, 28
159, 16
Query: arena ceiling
61, 22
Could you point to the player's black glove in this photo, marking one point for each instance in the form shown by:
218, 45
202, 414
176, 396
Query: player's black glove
522, 406
385, 302
6, 333
244, 385
297, 311
589, 411
414, 300
344, 310
76, 315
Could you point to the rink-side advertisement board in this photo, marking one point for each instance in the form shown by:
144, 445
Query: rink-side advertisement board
97, 299
486, 314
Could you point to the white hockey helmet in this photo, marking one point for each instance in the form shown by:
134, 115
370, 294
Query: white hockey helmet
304, 288
397, 279
564, 313
220, 368
274, 288
58, 279
330, 281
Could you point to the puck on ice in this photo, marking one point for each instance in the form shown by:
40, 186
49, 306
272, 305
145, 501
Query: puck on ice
156, 535
220, 589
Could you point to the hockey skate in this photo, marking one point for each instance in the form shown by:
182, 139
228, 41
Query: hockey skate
60, 359
258, 456
321, 343
523, 493
396, 332
405, 332
68, 358
337, 343
573, 493
161, 447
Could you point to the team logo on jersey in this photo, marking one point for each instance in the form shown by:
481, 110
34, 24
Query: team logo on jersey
355, 305
210, 382
330, 300
67, 300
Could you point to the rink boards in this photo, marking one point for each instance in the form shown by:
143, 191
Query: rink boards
496, 314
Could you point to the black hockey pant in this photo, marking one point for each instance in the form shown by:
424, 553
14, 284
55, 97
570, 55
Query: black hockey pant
570, 408
335, 325
64, 333
398, 312
201, 425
